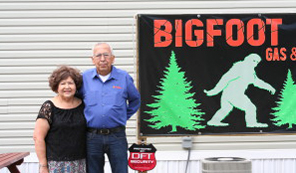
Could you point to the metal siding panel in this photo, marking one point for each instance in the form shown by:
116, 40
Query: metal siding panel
26, 94
22, 117
44, 70
16, 141
143, 5
16, 148
67, 13
62, 46
15, 133
49, 54
65, 38
24, 86
130, 13
55, 62
94, 22
3, 102
16, 125
26, 101
66, 29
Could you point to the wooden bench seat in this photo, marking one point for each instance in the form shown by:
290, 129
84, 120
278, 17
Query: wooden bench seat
11, 160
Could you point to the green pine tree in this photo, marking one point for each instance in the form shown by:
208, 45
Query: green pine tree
175, 105
285, 110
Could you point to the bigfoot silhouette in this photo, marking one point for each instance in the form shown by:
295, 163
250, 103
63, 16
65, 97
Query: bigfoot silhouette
233, 85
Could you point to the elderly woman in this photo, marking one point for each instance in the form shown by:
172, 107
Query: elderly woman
61, 127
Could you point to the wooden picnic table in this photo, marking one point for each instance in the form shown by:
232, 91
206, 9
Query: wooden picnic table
11, 160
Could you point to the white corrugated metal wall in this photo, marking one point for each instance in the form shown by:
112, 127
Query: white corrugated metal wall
38, 35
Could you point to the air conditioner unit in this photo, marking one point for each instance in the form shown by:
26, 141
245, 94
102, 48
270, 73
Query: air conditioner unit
226, 165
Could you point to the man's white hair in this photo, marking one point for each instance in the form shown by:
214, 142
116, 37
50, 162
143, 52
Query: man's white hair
97, 44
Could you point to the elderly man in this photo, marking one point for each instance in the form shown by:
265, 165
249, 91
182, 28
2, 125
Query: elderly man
110, 98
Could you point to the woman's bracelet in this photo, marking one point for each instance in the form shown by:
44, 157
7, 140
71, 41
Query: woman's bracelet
41, 165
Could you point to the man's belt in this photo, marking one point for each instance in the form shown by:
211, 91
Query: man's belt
106, 131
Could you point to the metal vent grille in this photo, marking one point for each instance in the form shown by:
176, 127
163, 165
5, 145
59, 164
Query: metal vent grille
226, 165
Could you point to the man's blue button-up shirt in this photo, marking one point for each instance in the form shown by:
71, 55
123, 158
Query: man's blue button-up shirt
111, 103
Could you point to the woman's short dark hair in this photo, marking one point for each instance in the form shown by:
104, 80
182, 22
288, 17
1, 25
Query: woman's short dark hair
62, 73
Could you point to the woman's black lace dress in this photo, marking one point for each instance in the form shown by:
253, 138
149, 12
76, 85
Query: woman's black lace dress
66, 138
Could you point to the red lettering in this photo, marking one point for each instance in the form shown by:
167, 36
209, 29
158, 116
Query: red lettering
261, 32
274, 30
283, 53
163, 36
165, 33
211, 32
178, 28
240, 32
198, 33
268, 53
274, 54
293, 54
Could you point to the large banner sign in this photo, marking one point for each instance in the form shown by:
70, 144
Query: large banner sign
217, 73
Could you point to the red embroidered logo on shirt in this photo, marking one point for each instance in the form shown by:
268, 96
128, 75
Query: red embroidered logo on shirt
118, 87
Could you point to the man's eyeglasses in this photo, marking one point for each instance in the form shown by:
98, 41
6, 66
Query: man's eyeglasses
100, 55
